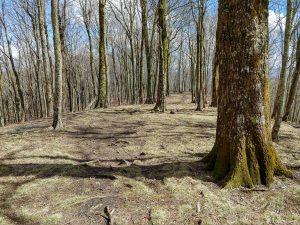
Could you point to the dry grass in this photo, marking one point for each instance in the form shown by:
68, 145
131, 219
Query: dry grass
143, 164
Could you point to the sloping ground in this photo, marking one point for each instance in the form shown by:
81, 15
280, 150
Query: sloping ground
142, 164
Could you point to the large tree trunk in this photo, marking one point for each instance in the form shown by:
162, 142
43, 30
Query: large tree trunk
57, 107
243, 154
278, 105
101, 102
295, 80
163, 57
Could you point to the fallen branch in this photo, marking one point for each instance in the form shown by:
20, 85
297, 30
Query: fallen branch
108, 215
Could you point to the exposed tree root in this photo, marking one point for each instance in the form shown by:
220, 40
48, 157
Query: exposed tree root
245, 164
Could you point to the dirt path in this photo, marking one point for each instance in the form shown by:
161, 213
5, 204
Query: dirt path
143, 164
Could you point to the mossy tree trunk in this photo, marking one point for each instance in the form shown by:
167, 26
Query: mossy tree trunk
102, 98
57, 106
243, 154
295, 80
163, 57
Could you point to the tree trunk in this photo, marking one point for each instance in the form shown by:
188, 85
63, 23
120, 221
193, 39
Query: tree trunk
144, 6
278, 105
199, 65
141, 80
215, 77
163, 57
101, 102
20, 99
243, 154
215, 74
1, 101
295, 80
47, 74
57, 106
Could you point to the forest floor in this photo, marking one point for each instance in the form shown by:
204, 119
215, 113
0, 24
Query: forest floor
143, 165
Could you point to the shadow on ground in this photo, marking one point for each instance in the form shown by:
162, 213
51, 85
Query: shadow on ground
32, 172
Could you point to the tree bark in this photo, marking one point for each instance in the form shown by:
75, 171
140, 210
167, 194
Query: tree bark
57, 106
215, 77
163, 57
20, 99
101, 102
47, 74
278, 105
2, 113
144, 7
141, 80
199, 63
243, 154
295, 80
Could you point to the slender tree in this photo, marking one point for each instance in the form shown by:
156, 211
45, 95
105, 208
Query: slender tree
102, 89
144, 7
243, 154
163, 56
295, 80
215, 77
87, 13
47, 73
141, 73
57, 107
199, 63
19, 97
215, 74
278, 105
1, 101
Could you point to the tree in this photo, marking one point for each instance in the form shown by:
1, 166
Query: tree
295, 80
144, 7
87, 13
57, 107
285, 57
163, 56
102, 89
199, 63
1, 101
278, 105
243, 154
19, 97
215, 75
